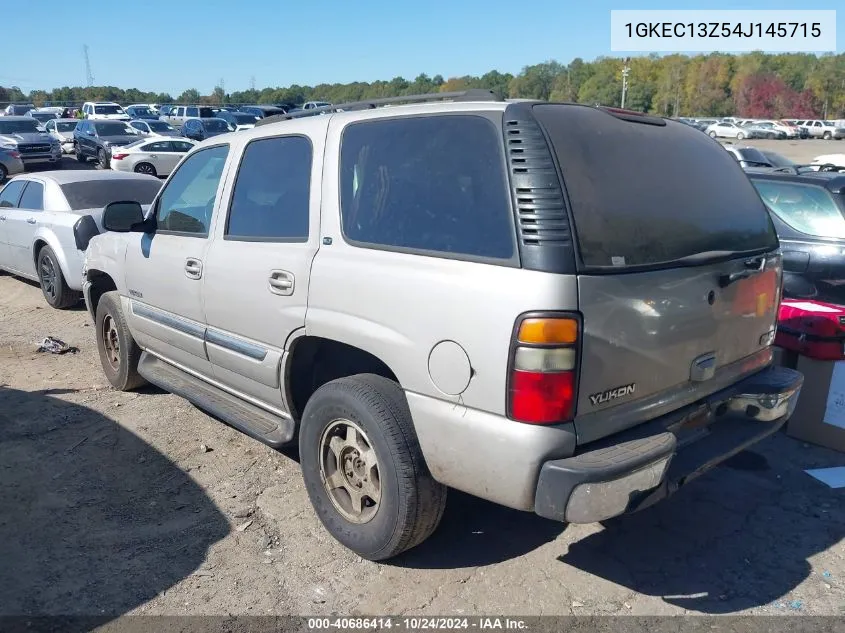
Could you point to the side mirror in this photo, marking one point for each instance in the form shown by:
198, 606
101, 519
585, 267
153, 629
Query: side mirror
123, 217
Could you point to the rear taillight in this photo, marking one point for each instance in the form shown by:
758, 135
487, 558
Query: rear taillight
119, 156
542, 381
15, 154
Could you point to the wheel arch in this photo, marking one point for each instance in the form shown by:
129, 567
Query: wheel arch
312, 361
46, 237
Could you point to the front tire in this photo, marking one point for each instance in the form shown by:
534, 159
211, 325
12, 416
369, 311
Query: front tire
119, 353
364, 470
146, 168
740, 136
101, 159
827, 136
52, 281
712, 134
80, 156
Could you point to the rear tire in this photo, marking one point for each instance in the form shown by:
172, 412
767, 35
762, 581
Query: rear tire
119, 353
827, 136
712, 134
101, 159
381, 454
740, 136
146, 168
80, 156
52, 281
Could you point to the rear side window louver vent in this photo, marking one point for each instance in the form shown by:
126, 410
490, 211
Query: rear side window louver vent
545, 235
541, 215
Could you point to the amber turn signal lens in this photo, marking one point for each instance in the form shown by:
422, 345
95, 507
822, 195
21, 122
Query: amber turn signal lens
548, 331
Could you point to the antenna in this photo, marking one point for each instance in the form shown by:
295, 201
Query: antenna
252, 83
89, 78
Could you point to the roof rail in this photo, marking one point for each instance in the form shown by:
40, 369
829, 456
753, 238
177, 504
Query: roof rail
474, 94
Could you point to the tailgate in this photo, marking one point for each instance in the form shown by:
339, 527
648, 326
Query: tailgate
678, 265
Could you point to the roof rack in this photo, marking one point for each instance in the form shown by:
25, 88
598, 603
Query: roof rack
475, 94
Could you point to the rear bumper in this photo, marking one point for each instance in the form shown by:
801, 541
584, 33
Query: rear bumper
632, 470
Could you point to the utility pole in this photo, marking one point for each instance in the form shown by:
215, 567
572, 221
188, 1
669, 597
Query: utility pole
626, 70
89, 78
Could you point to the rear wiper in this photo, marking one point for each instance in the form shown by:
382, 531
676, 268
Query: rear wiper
706, 256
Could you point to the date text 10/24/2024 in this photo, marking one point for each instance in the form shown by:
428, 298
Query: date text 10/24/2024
416, 623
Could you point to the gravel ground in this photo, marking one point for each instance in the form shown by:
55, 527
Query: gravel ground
139, 503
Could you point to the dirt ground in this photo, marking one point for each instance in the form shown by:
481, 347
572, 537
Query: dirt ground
114, 503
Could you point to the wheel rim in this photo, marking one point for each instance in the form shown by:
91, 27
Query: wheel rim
47, 275
349, 471
143, 168
111, 342
102, 158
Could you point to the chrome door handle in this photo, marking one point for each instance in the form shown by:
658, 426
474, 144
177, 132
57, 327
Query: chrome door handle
193, 268
281, 282
30, 220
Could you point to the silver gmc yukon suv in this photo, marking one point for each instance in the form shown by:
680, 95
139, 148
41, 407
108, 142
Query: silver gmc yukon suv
563, 309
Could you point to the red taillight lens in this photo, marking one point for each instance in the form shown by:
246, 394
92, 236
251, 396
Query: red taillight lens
15, 154
540, 398
543, 368
119, 156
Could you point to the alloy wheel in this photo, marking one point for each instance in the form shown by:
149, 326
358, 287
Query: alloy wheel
349, 470
47, 276
111, 342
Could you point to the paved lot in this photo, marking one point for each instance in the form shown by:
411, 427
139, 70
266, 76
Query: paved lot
800, 151
109, 505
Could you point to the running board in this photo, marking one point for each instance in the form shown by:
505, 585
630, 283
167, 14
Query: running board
247, 418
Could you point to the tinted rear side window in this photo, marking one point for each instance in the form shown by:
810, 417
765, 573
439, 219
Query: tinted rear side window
433, 183
94, 194
806, 208
646, 195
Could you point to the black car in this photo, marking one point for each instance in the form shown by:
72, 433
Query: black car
237, 119
97, 138
808, 211
262, 111
201, 129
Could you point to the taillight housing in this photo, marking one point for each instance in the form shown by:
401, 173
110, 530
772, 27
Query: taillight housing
543, 368
119, 156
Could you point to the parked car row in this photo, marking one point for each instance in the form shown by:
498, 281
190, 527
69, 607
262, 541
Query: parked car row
740, 129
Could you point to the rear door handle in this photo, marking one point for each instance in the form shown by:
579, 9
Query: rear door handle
193, 268
281, 282
30, 220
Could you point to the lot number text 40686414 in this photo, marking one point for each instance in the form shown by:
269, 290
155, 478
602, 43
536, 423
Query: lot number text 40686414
415, 623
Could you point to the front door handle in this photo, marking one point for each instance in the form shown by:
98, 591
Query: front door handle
281, 282
193, 268
30, 220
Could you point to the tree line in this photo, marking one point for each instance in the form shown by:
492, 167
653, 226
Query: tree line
755, 85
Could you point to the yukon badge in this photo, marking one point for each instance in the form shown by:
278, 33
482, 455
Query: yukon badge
613, 394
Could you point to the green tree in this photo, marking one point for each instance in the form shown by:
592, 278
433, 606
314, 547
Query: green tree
191, 95
537, 81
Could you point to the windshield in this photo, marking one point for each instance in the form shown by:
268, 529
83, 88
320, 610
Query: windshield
141, 111
95, 194
114, 129
160, 126
668, 208
216, 125
777, 160
244, 119
19, 127
43, 116
65, 126
108, 109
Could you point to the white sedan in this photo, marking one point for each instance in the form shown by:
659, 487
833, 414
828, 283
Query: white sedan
37, 214
830, 159
153, 156
726, 129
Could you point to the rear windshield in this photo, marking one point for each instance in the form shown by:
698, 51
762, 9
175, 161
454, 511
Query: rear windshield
649, 195
114, 128
206, 113
95, 194
806, 208
160, 126
217, 125
243, 118
66, 126
108, 109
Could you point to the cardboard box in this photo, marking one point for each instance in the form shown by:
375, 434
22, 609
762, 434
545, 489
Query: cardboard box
819, 417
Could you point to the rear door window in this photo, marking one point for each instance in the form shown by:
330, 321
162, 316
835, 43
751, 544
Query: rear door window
11, 194
806, 208
33, 197
646, 196
432, 183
